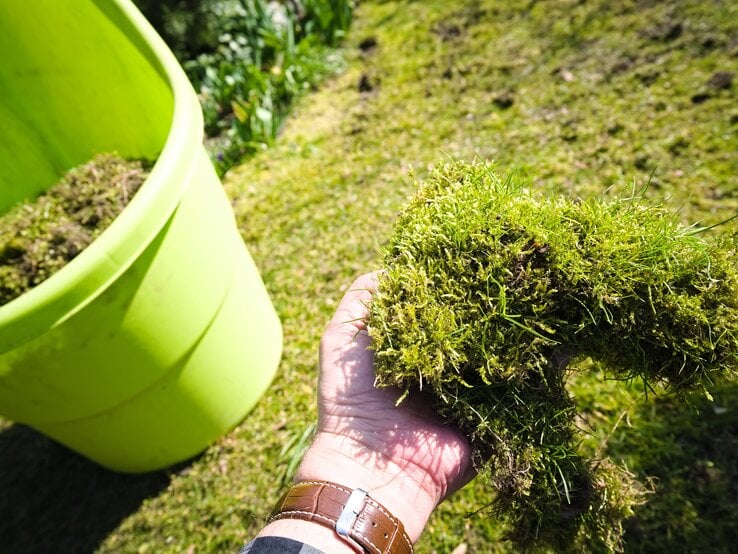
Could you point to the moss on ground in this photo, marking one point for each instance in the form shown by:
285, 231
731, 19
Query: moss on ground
490, 291
581, 96
39, 237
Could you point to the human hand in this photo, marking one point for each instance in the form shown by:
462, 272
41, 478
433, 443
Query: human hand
404, 456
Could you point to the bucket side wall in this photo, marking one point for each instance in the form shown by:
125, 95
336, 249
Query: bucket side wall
140, 327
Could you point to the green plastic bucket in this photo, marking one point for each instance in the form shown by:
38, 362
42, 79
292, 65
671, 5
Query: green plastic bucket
160, 336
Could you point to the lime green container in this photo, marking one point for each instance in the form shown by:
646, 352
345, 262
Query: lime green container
160, 336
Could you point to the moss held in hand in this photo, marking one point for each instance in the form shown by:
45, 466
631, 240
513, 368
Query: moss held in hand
38, 238
492, 294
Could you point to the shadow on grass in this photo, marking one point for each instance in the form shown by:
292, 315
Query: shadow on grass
692, 452
53, 500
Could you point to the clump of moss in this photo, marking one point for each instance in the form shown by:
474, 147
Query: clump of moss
38, 238
490, 296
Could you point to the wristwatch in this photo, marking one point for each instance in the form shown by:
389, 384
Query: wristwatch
354, 515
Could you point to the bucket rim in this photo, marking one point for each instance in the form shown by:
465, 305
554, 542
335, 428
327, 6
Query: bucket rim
99, 265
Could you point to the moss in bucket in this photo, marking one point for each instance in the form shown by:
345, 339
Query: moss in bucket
38, 238
490, 297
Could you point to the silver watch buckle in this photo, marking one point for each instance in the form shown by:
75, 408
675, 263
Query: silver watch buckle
349, 514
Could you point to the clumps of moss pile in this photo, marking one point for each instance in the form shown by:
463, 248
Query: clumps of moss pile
38, 238
490, 296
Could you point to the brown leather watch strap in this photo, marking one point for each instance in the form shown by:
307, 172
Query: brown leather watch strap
353, 514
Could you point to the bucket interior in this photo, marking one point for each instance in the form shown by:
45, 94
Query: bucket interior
75, 80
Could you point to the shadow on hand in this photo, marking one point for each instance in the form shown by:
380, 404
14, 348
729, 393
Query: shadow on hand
53, 500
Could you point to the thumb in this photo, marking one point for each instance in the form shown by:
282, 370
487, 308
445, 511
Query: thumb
351, 314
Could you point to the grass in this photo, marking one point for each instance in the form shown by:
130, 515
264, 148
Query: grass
578, 96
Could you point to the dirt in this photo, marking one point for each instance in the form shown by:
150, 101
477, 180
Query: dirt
721, 80
504, 100
367, 83
40, 236
368, 45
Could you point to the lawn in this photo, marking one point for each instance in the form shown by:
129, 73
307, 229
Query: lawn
581, 97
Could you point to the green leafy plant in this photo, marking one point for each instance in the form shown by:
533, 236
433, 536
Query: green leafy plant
328, 19
491, 297
249, 59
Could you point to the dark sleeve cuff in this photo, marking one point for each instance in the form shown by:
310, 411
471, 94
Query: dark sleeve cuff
278, 545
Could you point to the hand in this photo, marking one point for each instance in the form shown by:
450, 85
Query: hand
404, 456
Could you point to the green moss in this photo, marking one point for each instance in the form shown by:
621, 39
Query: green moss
38, 238
490, 291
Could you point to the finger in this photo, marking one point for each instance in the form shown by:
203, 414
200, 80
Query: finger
353, 309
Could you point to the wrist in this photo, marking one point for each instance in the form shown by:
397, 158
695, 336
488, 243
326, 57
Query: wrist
309, 532
408, 492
